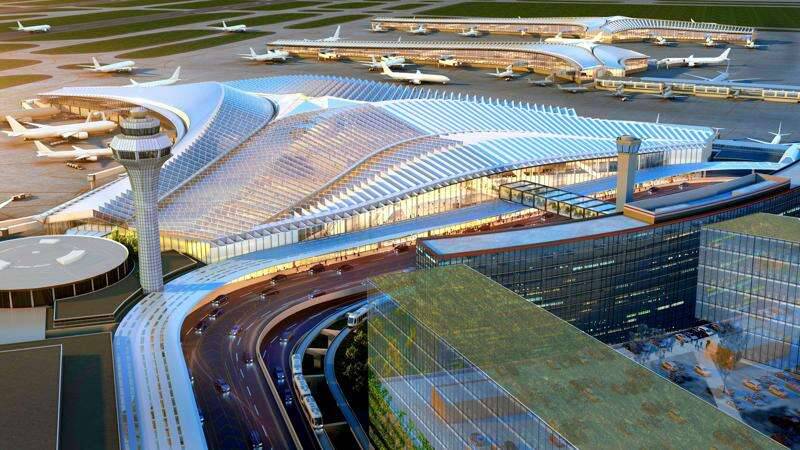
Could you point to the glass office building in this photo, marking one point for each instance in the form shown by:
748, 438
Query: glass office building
749, 276
471, 364
606, 275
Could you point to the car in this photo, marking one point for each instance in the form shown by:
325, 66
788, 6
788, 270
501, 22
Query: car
201, 327
448, 61
316, 268
700, 332
702, 371
401, 248
669, 366
285, 336
344, 268
316, 293
219, 301
255, 440
221, 386
216, 312
776, 391
235, 330
202, 416
681, 338
268, 293
280, 376
715, 326
653, 190
752, 385
247, 358
278, 278
287, 397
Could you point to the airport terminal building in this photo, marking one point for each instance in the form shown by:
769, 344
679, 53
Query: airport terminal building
614, 28
268, 162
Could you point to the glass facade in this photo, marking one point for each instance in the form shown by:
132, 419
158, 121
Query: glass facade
451, 401
753, 283
607, 284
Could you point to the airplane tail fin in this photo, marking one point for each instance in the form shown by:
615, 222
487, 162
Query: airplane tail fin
95, 63
509, 67
41, 149
224, 25
177, 74
252, 52
725, 54
133, 82
15, 126
780, 126
338, 30
19, 25
386, 68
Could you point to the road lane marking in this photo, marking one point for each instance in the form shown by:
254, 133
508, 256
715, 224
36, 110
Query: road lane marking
256, 408
248, 391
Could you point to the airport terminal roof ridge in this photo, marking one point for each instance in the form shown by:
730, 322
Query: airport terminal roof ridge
771, 226
589, 393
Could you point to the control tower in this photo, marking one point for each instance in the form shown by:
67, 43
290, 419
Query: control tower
142, 149
627, 165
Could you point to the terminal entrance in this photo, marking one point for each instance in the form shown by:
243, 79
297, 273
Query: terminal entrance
554, 200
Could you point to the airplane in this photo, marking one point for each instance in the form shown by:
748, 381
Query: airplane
472, 32
72, 130
694, 61
560, 39
776, 139
547, 81
661, 42
122, 66
572, 89
414, 78
723, 77
335, 36
377, 28
269, 56
389, 60
34, 109
619, 92
448, 61
165, 82
751, 44
709, 42
667, 94
231, 29
76, 154
419, 30
327, 54
31, 28
508, 74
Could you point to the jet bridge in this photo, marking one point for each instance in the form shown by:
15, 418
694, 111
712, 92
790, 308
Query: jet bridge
703, 88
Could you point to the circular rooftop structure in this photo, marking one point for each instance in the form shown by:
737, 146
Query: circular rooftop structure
35, 271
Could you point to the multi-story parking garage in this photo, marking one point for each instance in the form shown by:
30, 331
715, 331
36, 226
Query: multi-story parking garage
259, 167
614, 28
581, 62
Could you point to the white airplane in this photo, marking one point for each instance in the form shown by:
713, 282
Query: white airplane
709, 42
547, 81
389, 60
76, 154
165, 82
377, 28
723, 77
776, 139
560, 39
414, 78
448, 61
694, 61
335, 36
667, 94
419, 30
751, 44
31, 28
72, 130
231, 29
619, 93
472, 32
122, 66
573, 88
507, 74
661, 42
269, 56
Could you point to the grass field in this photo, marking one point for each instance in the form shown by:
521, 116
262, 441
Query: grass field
132, 3
270, 19
285, 5
7, 81
405, 6
20, 16
775, 17
94, 33
74, 19
184, 47
354, 5
127, 43
205, 4
8, 64
327, 21
8, 47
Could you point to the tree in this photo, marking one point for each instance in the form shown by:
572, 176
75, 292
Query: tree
729, 351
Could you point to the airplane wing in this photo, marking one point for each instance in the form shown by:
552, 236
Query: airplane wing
68, 134
756, 140
698, 77
742, 80
37, 125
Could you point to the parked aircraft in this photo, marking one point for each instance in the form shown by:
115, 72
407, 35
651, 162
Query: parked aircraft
560, 39
448, 61
327, 54
751, 44
667, 94
778, 137
472, 32
389, 60
419, 30
619, 93
122, 66
723, 77
573, 88
72, 130
694, 61
76, 154
414, 78
34, 109
377, 28
709, 42
547, 81
335, 36
269, 56
660, 41
165, 82
507, 74
241, 28
31, 28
